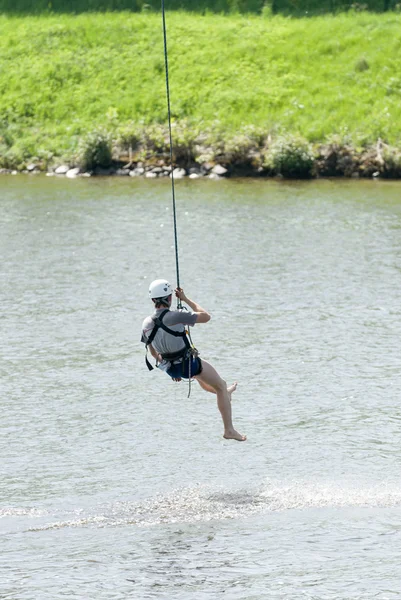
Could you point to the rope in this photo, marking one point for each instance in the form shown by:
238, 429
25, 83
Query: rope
179, 305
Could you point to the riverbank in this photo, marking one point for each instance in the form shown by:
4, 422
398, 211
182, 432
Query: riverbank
89, 91
291, 158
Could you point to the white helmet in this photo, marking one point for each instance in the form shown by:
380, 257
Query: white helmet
160, 288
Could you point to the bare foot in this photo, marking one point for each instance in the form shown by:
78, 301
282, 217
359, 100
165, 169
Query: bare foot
232, 388
231, 434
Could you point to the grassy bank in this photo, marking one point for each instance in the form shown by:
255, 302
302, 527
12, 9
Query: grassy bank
64, 77
287, 7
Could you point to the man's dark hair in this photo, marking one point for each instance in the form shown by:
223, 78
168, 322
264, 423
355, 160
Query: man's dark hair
162, 301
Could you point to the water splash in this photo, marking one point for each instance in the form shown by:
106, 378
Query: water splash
202, 504
22, 512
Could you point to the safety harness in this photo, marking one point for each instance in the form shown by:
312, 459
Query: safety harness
187, 352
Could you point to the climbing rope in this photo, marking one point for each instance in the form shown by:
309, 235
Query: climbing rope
193, 351
179, 305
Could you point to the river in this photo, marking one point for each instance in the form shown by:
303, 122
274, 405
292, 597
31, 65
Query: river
115, 485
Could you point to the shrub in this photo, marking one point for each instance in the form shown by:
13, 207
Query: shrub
291, 157
154, 142
337, 157
267, 10
95, 150
12, 159
359, 7
185, 139
6, 139
128, 140
370, 163
209, 145
391, 163
243, 150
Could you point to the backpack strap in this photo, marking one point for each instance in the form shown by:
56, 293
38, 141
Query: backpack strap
158, 324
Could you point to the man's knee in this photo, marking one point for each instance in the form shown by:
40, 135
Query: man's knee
220, 385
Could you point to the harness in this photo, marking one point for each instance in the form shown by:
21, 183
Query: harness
187, 352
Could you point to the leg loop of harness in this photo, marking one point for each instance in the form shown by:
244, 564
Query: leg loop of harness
192, 353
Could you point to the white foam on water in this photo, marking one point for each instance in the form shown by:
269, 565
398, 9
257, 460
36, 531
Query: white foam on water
202, 504
22, 512
303, 495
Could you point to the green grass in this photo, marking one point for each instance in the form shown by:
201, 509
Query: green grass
62, 77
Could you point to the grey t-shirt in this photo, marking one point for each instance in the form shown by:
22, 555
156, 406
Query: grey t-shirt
163, 342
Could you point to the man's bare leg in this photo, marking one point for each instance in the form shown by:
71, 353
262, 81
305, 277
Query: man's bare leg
209, 388
211, 378
205, 386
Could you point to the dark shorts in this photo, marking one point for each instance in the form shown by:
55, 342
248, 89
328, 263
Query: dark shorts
181, 370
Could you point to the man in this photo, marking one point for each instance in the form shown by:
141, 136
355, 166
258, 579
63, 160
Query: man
164, 335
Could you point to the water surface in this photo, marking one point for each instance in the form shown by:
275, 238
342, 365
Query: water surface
113, 484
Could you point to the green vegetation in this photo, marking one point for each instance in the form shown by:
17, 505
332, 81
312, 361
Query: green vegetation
291, 158
69, 84
315, 7
95, 150
82, 6
289, 7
